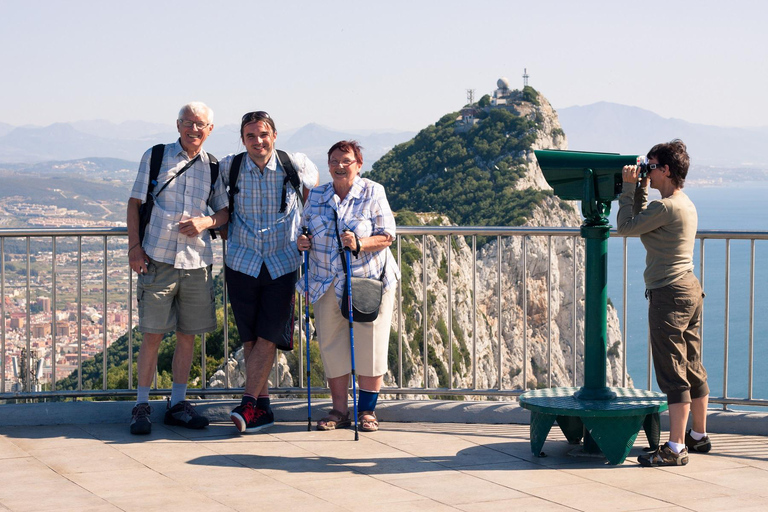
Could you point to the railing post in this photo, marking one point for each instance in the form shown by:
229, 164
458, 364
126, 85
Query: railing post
424, 322
130, 328
474, 311
400, 315
2, 315
726, 324
624, 340
573, 323
549, 311
501, 319
104, 319
28, 328
53, 313
450, 312
525, 313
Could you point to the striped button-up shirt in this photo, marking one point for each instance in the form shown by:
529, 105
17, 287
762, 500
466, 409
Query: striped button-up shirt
365, 211
187, 196
258, 233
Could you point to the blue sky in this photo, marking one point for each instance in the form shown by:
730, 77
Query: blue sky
377, 65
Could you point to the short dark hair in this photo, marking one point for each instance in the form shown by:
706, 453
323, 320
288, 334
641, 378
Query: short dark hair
255, 117
675, 155
346, 146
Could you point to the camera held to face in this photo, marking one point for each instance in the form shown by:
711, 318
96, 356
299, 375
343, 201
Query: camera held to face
642, 167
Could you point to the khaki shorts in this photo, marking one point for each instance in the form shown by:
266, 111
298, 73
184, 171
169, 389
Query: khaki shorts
674, 318
172, 299
371, 338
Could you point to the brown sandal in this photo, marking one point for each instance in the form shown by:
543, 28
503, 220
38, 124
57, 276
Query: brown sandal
335, 419
368, 421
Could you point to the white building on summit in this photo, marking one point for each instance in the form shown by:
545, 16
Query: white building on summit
502, 92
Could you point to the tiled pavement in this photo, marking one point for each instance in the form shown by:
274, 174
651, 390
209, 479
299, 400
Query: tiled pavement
403, 467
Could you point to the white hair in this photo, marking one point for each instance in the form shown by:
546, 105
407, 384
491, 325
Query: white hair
198, 108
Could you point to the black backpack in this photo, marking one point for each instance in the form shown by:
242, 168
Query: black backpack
291, 176
155, 162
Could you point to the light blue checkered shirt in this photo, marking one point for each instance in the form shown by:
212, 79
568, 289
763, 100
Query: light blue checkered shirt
365, 211
257, 232
189, 195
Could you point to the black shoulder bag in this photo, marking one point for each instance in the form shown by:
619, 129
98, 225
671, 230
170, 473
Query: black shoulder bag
366, 292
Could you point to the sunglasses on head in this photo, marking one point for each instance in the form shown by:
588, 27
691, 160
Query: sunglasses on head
255, 116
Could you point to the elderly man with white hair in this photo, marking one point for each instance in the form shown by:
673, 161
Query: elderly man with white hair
169, 247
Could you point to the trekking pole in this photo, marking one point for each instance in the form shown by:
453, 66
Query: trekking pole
305, 232
351, 335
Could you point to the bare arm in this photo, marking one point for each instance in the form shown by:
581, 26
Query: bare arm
196, 225
369, 243
137, 258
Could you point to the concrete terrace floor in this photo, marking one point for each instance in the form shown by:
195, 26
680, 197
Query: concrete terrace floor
420, 466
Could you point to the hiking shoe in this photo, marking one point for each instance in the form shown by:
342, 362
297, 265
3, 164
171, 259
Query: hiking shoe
140, 423
184, 415
247, 418
703, 445
664, 456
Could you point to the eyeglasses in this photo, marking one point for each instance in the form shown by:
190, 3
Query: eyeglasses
651, 167
198, 124
344, 163
255, 116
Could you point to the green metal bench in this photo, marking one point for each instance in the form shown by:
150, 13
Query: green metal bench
607, 426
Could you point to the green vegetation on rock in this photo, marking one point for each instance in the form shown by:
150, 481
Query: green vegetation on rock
467, 175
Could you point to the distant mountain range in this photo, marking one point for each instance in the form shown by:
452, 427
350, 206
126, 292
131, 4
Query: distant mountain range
601, 126
622, 129
129, 140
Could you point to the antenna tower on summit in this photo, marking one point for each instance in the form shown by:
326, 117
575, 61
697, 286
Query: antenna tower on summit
470, 96
525, 77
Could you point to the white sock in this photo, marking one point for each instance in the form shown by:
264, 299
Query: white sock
697, 436
142, 395
178, 393
675, 447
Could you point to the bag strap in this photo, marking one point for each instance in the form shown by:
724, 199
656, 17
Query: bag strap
342, 251
234, 174
181, 171
155, 161
290, 176
213, 164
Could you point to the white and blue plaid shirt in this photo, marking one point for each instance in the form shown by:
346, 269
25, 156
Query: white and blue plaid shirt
365, 211
187, 196
258, 233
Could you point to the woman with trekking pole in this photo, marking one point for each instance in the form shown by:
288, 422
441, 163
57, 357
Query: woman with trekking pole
351, 227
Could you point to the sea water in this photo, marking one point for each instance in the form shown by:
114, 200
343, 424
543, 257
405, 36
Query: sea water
733, 207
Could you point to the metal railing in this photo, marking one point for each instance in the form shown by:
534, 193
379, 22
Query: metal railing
24, 238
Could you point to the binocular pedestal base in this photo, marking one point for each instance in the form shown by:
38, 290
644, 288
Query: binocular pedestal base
607, 426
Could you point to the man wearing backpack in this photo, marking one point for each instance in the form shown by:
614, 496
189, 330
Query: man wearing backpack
169, 246
266, 190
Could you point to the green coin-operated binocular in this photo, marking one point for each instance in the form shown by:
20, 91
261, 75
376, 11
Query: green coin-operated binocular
594, 179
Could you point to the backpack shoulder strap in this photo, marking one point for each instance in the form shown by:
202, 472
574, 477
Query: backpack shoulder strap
214, 165
155, 161
290, 175
234, 173
290, 171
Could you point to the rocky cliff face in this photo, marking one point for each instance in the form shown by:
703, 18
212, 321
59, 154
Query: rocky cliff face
545, 319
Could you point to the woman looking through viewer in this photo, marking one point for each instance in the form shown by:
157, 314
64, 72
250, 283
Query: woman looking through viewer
667, 229
352, 212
